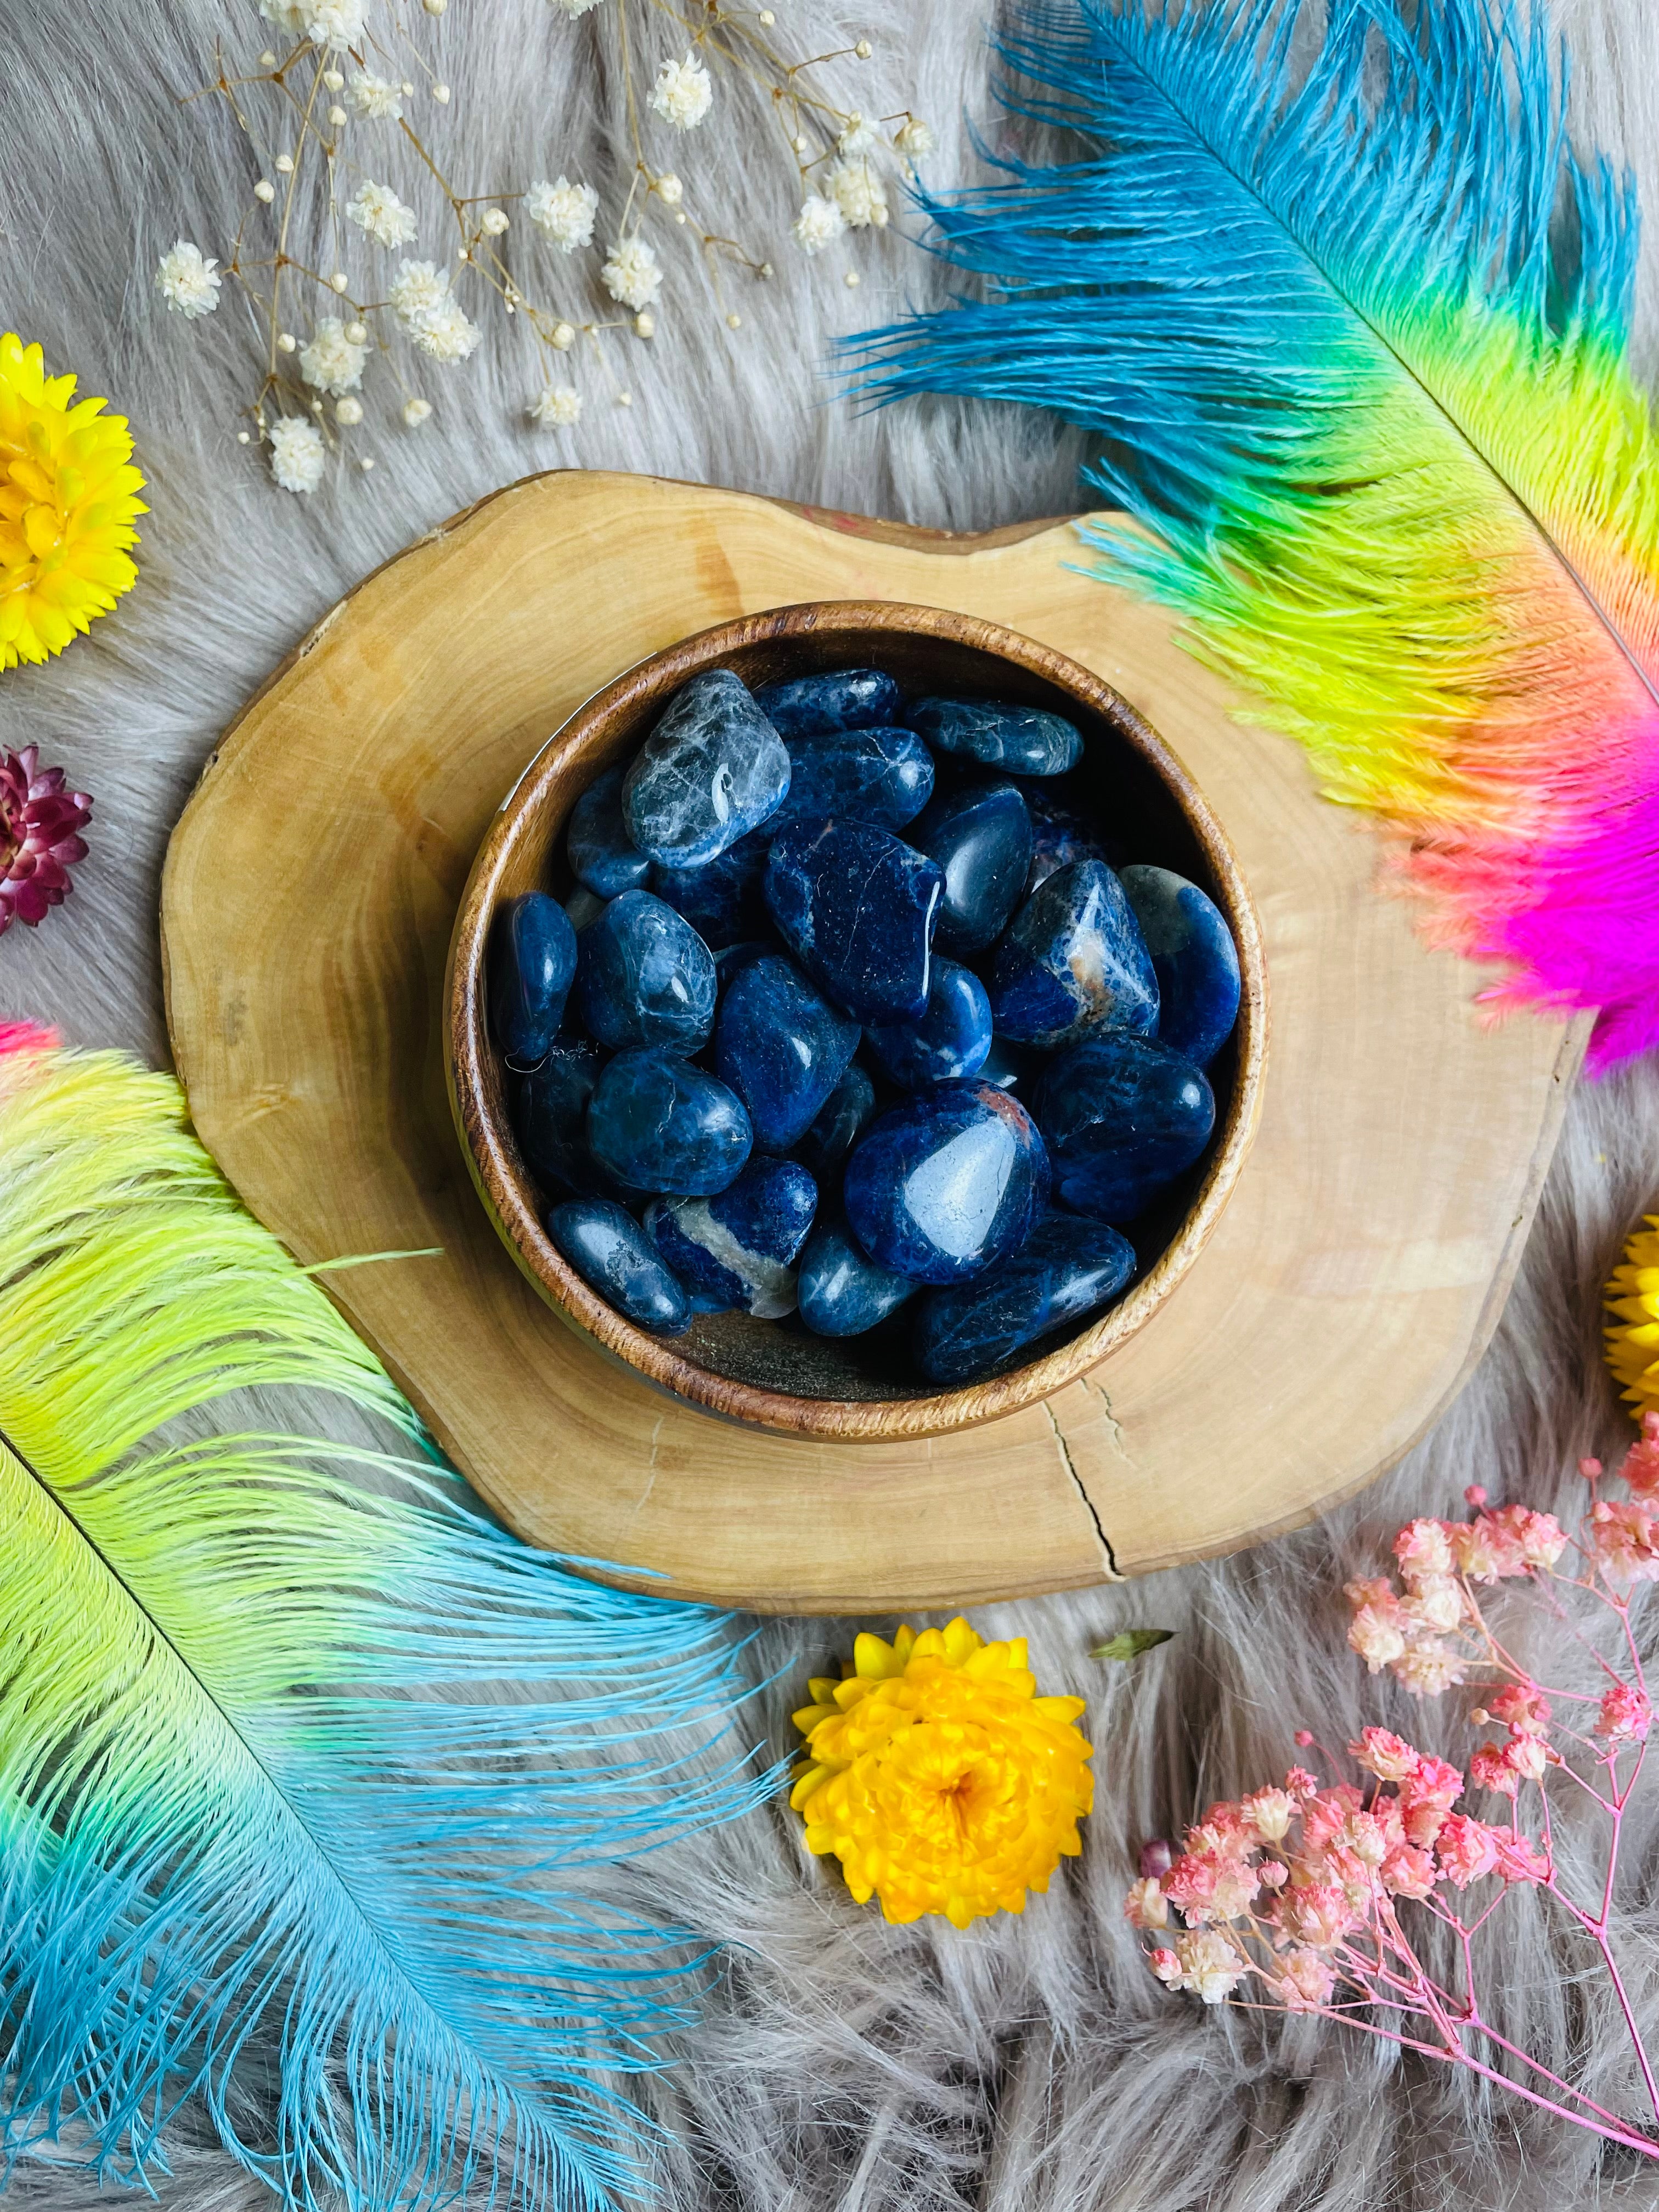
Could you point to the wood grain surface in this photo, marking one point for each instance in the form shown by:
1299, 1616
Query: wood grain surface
310, 892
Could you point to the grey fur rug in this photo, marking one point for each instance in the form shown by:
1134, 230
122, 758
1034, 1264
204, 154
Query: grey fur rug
1030, 2065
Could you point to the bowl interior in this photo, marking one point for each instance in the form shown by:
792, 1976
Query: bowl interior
1128, 784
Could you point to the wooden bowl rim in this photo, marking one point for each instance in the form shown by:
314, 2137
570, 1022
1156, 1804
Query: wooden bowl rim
503, 1189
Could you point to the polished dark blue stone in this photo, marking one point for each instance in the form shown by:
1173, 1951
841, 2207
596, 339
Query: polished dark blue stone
1122, 1117
1195, 959
1074, 960
857, 908
532, 959
1059, 836
731, 960
1020, 740
981, 835
950, 1038
656, 1123
942, 1186
739, 1248
1065, 1270
712, 770
782, 1047
884, 776
840, 1121
612, 1255
840, 699
550, 1117
645, 977
602, 855
721, 900
842, 1293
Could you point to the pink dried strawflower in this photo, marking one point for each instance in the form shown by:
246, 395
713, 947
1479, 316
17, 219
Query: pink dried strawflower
1422, 1551
1269, 1813
1426, 1795
1408, 1872
1298, 1783
1306, 1981
1464, 1848
1490, 1769
1316, 1913
1626, 1715
1385, 1754
1486, 1549
40, 836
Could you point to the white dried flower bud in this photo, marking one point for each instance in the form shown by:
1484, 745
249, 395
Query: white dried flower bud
296, 453
669, 190
407, 89
767, 19
800, 143
555, 407
267, 59
377, 210
863, 49
683, 94
188, 280
624, 399
632, 273
285, 165
329, 360
562, 212
286, 342
337, 115
416, 412
851, 279
734, 322
265, 191
645, 324
350, 412
376, 98
434, 6
819, 223
860, 194
766, 270
859, 137
447, 335
367, 463
563, 337
358, 333
494, 221
441, 93
914, 137
339, 281
333, 79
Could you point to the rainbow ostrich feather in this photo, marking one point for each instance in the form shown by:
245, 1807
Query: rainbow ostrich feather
1351, 325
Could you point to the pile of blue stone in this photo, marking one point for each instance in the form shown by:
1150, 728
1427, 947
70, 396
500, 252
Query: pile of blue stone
850, 1014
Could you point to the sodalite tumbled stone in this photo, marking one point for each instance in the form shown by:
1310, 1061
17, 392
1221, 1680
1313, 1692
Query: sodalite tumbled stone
981, 835
782, 1047
721, 900
840, 699
951, 1038
1073, 961
842, 1293
1019, 740
1195, 959
738, 1248
712, 770
1122, 1117
612, 1255
656, 1123
532, 959
550, 1117
645, 977
943, 1187
600, 852
1066, 1269
857, 908
884, 776
840, 1120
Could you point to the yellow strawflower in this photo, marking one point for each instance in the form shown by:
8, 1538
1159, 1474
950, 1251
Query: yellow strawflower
1634, 1336
67, 508
939, 1777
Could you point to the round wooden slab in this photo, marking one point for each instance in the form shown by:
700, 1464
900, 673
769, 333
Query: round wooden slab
309, 890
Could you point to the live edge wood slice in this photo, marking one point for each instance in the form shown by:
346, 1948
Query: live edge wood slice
310, 892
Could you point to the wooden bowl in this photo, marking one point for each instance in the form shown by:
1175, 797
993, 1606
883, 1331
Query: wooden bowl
776, 1375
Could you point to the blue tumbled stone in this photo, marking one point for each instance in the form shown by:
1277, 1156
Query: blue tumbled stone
739, 1248
946, 1184
713, 770
601, 854
1066, 1269
857, 908
612, 1255
1195, 959
841, 1120
656, 1123
840, 699
949, 1039
981, 835
884, 776
1073, 961
1020, 740
731, 960
842, 1293
549, 1116
782, 1047
533, 957
1058, 837
721, 900
1122, 1117
645, 977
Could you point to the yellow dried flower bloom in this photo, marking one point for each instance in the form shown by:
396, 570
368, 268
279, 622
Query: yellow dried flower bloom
67, 508
939, 1777
1632, 1297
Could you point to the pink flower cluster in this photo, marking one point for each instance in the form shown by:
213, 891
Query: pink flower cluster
1407, 1630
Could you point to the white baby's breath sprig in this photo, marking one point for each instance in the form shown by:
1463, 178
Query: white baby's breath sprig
563, 213
296, 452
632, 273
332, 361
819, 223
377, 210
188, 280
376, 99
555, 407
683, 94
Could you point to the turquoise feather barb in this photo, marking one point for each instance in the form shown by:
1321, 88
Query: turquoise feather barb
1350, 317
294, 1744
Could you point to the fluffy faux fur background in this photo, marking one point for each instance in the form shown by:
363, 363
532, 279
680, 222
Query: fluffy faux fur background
1030, 2065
